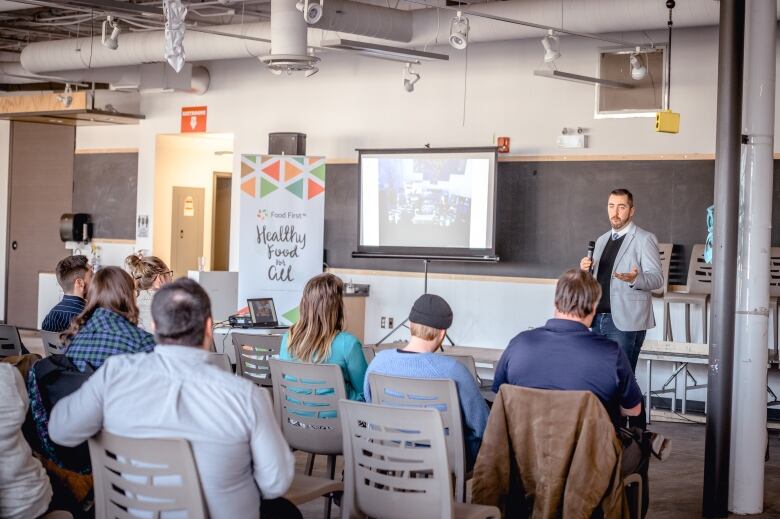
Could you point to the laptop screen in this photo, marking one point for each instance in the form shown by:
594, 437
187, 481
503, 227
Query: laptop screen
262, 311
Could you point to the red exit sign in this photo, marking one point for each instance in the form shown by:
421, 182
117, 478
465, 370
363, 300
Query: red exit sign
193, 119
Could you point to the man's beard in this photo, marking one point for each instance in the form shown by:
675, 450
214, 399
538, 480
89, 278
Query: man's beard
619, 224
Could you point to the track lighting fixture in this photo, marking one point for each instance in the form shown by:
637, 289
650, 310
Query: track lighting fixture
551, 47
410, 78
638, 66
459, 31
112, 41
66, 97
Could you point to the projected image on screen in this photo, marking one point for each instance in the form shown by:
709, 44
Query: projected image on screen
427, 201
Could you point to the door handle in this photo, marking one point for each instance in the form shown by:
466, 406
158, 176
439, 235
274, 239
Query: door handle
14, 245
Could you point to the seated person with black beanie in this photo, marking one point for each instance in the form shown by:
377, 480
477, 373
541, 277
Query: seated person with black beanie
428, 322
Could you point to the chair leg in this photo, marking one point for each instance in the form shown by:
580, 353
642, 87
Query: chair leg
687, 322
704, 321
331, 471
668, 336
309, 464
332, 466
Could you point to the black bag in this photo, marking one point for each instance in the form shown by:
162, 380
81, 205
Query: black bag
57, 377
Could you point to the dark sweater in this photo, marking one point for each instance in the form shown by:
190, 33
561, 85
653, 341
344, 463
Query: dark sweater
604, 275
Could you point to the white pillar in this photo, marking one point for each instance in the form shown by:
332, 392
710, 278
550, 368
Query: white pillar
748, 428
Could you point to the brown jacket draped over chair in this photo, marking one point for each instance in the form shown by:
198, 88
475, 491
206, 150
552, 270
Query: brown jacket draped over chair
549, 454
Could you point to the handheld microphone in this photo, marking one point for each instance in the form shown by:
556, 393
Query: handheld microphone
591, 247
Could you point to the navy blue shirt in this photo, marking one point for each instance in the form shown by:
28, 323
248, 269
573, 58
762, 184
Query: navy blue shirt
566, 355
58, 319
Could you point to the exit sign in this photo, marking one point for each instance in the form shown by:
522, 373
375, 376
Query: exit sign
193, 119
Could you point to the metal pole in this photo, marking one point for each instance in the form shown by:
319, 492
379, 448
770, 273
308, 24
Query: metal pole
721, 361
748, 431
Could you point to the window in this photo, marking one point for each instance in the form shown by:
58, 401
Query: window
641, 98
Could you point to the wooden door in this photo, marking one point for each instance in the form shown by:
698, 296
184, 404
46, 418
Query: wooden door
220, 235
187, 229
41, 190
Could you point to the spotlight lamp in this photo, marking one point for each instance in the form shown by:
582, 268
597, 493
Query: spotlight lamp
638, 66
459, 31
551, 46
410, 78
66, 97
112, 41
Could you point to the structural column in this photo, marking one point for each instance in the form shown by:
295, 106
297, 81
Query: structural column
727, 157
748, 430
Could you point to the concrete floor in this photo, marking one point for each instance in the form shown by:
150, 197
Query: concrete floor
675, 485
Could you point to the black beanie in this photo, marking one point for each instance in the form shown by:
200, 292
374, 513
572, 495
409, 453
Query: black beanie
431, 310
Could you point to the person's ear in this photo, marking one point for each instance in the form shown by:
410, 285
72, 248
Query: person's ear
208, 334
154, 326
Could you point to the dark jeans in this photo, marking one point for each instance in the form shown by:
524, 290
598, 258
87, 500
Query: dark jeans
629, 342
279, 508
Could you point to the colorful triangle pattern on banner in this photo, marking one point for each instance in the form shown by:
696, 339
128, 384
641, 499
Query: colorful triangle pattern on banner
291, 171
300, 159
250, 187
246, 169
292, 315
296, 188
315, 189
272, 170
266, 188
251, 158
319, 172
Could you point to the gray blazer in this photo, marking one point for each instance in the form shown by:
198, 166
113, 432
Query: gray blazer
632, 305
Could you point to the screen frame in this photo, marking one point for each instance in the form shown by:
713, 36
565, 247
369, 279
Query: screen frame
252, 315
433, 253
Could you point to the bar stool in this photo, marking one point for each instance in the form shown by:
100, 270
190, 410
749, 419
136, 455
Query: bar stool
665, 253
697, 292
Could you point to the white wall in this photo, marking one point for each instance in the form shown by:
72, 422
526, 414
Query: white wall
187, 161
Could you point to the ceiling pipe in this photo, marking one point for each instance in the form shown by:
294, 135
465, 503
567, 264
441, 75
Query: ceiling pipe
592, 16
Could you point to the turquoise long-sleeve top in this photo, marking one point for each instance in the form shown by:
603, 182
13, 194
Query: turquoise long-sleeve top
347, 352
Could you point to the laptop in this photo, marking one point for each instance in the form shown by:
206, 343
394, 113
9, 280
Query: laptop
262, 313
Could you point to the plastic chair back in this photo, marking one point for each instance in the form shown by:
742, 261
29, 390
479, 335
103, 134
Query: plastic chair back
252, 354
665, 253
52, 344
10, 341
306, 403
699, 272
150, 477
395, 462
439, 394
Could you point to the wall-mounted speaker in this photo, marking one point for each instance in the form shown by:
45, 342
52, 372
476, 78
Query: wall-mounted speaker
75, 227
286, 143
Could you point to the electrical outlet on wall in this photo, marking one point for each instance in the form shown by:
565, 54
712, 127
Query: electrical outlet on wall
382, 322
389, 322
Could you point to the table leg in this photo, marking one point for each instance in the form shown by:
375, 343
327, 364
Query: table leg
649, 368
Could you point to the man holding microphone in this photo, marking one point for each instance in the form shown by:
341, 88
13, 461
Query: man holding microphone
627, 265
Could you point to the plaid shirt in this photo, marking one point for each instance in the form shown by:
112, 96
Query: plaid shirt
104, 334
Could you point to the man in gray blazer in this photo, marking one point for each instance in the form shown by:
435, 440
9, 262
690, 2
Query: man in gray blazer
627, 265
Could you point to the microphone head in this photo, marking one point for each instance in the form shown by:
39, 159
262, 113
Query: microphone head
591, 245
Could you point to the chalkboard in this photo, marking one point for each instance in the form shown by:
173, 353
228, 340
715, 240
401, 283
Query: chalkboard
548, 211
105, 186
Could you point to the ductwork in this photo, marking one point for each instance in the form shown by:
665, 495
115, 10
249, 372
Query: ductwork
289, 42
366, 20
143, 78
415, 28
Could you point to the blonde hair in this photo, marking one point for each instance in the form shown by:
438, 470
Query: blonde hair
321, 319
423, 332
145, 270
